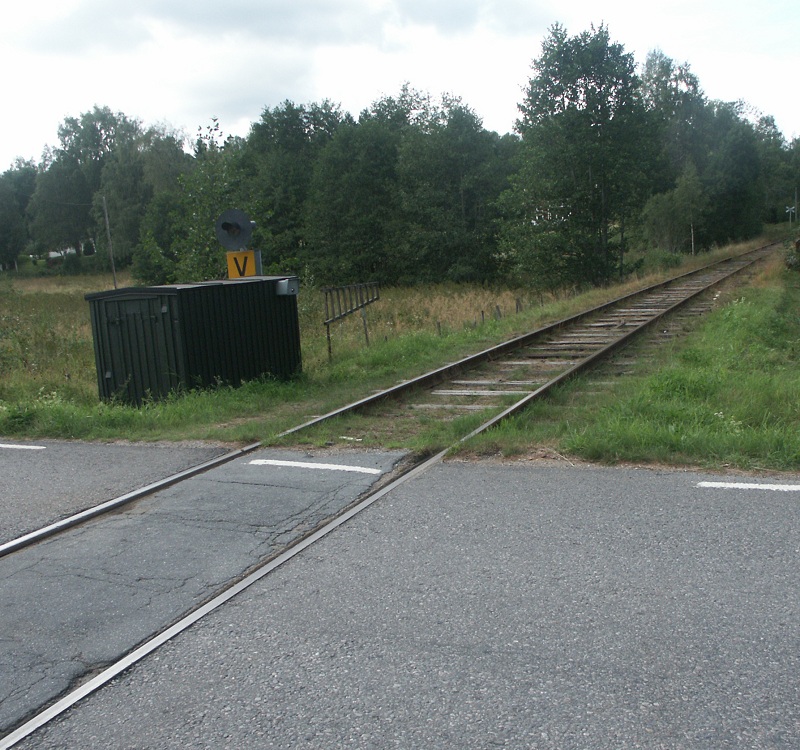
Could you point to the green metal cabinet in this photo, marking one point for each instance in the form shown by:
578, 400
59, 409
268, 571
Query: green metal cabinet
150, 341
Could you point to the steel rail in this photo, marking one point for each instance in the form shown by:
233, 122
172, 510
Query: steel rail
229, 592
96, 510
159, 639
595, 357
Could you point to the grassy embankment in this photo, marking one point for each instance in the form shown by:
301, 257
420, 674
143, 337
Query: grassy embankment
734, 403
726, 395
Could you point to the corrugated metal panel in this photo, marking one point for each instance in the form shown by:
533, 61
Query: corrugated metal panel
150, 341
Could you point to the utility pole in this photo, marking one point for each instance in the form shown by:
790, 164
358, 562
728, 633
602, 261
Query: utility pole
110, 248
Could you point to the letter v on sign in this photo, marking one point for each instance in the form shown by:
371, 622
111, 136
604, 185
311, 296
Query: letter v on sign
241, 263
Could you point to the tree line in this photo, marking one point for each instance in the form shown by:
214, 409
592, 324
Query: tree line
605, 159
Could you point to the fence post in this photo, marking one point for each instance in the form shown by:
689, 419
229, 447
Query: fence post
364, 320
327, 322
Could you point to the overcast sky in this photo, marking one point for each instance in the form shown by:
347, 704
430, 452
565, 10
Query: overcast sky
182, 62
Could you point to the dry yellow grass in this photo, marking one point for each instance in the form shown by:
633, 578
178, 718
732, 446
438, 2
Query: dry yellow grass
69, 284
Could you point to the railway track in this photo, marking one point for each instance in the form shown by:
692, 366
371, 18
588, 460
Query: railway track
503, 380
496, 383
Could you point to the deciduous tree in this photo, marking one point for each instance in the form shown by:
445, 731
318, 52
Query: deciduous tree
60, 207
450, 173
671, 220
277, 163
16, 188
585, 131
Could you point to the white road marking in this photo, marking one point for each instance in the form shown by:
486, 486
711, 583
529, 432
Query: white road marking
749, 486
308, 465
23, 447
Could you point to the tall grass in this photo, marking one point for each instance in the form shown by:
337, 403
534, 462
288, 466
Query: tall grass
45, 346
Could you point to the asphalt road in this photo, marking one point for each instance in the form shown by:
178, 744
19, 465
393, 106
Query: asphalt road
44, 481
484, 605
75, 602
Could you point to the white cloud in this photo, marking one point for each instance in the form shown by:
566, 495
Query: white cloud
185, 61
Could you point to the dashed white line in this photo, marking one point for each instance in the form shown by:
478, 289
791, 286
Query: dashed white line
310, 465
751, 486
23, 447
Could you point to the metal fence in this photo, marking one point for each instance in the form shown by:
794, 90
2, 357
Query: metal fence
341, 301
